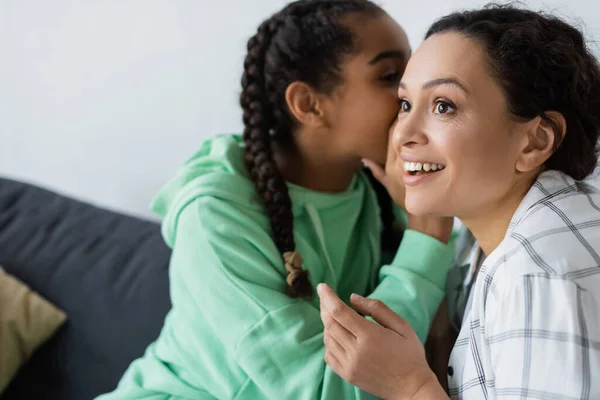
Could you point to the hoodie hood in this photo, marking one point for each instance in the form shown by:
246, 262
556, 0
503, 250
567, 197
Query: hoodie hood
217, 169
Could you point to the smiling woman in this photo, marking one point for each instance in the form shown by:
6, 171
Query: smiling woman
507, 101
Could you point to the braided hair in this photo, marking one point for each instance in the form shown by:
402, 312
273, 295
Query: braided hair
305, 42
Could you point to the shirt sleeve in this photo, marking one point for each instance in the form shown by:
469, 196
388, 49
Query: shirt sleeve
543, 335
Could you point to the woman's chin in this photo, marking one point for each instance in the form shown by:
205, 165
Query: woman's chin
420, 207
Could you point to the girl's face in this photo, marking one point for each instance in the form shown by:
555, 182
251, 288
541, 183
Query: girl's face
454, 125
363, 108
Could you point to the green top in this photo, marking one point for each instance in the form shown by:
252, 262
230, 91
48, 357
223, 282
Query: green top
232, 333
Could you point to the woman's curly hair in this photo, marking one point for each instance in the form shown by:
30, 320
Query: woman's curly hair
543, 64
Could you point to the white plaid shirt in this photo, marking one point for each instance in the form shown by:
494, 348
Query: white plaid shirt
533, 330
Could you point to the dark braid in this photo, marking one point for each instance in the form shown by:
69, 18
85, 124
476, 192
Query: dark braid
391, 235
303, 42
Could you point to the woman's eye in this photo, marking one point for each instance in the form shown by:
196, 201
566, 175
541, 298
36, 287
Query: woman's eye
404, 105
443, 107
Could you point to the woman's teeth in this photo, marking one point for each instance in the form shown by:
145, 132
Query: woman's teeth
414, 167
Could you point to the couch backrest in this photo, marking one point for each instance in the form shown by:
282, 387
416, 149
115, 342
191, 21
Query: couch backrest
107, 271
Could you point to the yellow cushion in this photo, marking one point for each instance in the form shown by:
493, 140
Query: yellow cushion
26, 321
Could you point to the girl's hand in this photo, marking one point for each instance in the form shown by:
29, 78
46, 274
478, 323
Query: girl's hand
393, 184
439, 228
385, 359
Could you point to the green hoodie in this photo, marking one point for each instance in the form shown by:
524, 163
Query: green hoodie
232, 333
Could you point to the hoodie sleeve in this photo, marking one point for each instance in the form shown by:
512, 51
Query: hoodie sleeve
414, 283
227, 287
227, 290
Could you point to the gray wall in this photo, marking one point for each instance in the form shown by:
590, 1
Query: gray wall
103, 99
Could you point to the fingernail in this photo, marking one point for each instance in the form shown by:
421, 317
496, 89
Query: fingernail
365, 163
357, 297
319, 288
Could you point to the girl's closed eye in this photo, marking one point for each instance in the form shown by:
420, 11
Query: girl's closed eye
391, 77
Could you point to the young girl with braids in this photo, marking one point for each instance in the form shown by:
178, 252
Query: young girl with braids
256, 222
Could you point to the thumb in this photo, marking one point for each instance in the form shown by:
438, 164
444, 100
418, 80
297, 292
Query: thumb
377, 171
380, 313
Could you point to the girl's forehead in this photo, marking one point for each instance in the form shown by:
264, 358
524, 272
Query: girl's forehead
376, 33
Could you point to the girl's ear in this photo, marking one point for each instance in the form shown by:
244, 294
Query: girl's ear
304, 104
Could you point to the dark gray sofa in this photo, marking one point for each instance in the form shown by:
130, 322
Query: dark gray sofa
107, 271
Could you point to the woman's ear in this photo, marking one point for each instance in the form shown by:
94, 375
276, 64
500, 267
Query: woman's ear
304, 103
542, 138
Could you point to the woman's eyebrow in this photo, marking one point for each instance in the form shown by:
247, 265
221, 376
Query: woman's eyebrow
440, 81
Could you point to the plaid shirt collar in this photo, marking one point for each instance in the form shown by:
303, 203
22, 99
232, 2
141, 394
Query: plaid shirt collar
535, 301
549, 185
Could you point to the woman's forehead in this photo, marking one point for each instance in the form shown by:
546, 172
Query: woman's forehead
449, 55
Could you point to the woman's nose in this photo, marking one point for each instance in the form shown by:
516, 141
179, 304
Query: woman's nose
408, 133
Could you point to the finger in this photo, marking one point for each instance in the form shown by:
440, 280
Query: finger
381, 313
325, 317
339, 333
334, 347
339, 311
333, 362
377, 171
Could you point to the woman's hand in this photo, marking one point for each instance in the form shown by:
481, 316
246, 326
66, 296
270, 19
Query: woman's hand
387, 360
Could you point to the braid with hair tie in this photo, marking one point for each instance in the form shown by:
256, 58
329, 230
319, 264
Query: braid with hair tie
302, 42
260, 161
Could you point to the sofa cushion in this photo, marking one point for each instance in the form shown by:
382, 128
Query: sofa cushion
107, 271
26, 321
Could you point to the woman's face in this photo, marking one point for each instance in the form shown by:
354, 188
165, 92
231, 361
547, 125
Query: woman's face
453, 125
